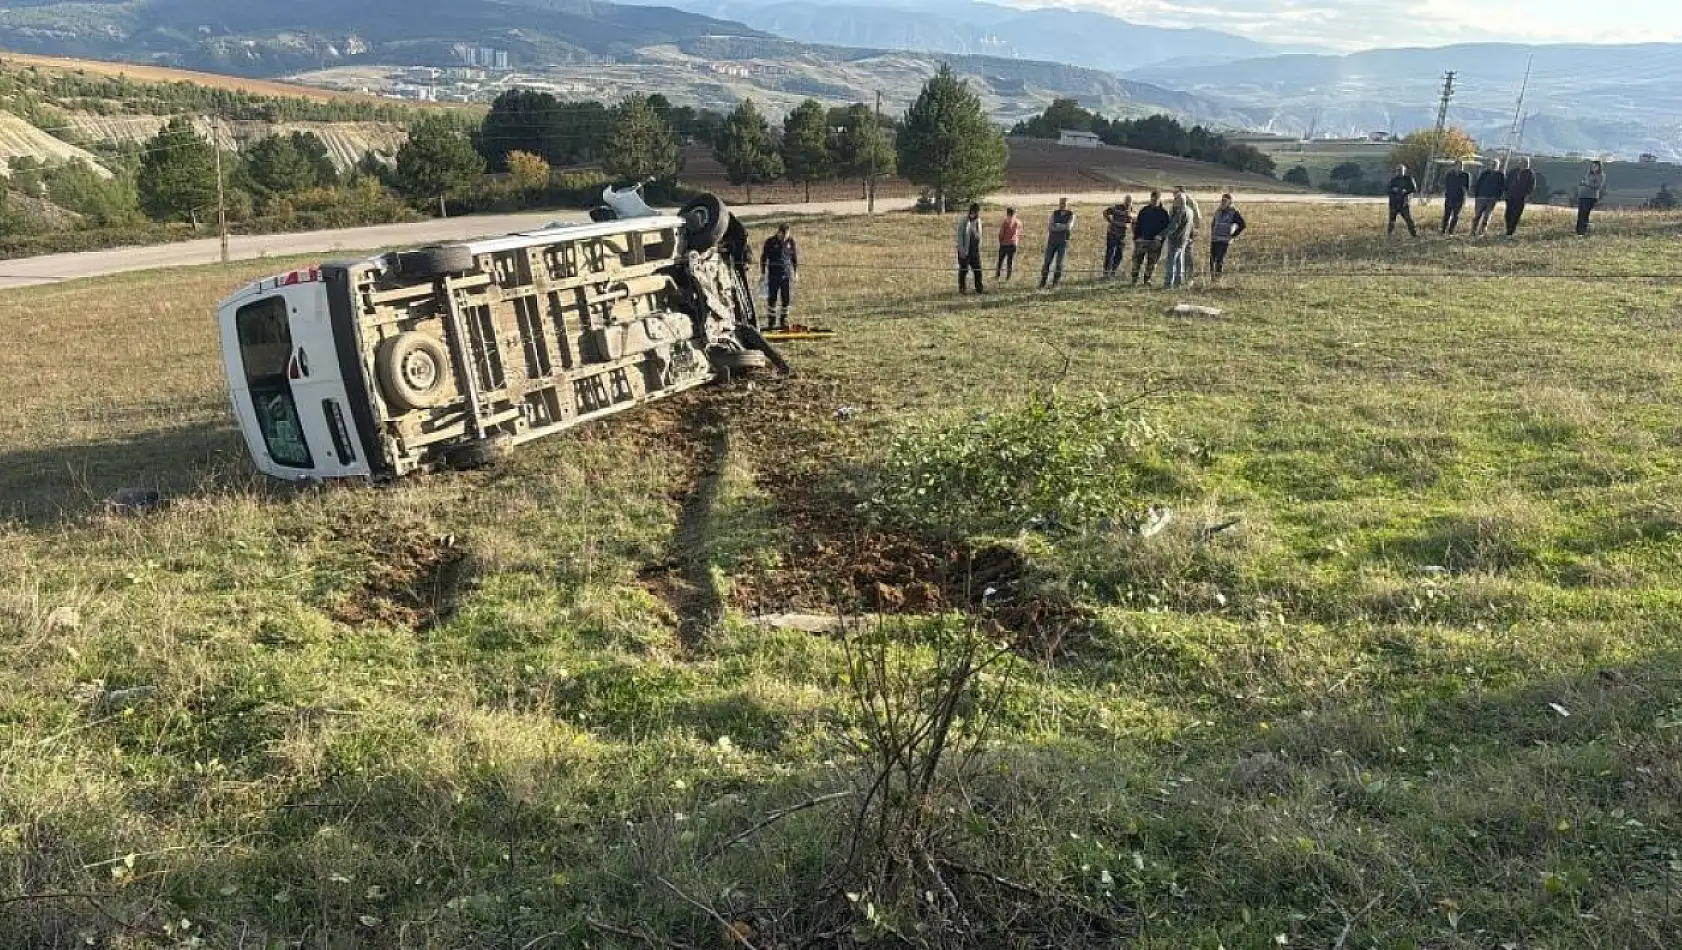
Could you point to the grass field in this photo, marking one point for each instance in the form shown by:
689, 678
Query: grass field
1402, 670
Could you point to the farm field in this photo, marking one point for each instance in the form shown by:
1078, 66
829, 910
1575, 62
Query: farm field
1035, 165
142, 73
1400, 669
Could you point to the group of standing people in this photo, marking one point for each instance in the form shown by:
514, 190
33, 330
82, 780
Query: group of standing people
1494, 185
1161, 233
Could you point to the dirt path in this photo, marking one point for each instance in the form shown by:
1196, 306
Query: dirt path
53, 268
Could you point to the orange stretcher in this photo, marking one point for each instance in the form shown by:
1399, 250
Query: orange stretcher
797, 331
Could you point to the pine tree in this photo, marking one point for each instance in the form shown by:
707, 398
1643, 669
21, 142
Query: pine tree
948, 145
745, 149
274, 166
177, 179
641, 145
521, 120
436, 162
807, 154
861, 135
314, 151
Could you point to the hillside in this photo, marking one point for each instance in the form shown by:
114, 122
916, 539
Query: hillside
1078, 37
142, 73
585, 49
257, 38
19, 138
1617, 100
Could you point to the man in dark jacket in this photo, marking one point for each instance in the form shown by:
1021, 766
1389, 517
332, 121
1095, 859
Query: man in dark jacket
1589, 192
1401, 190
1520, 185
1226, 225
1456, 184
1117, 217
1148, 227
778, 262
1491, 187
969, 249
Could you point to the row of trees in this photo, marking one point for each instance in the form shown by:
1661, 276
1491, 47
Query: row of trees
1153, 133
944, 143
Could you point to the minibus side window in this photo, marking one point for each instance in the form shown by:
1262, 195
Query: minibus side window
265, 349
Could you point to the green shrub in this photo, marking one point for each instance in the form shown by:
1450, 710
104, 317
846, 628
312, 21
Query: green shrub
1069, 462
351, 206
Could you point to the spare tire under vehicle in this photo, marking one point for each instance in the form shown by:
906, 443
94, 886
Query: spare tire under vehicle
705, 219
414, 371
439, 260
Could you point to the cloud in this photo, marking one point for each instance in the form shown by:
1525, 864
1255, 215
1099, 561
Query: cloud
1363, 24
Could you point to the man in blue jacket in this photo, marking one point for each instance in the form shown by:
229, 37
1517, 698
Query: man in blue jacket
1148, 227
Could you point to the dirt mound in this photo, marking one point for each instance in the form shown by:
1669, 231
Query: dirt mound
415, 579
838, 559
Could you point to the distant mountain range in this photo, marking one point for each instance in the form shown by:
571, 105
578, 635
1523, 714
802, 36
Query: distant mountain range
1618, 100
969, 27
275, 37
672, 47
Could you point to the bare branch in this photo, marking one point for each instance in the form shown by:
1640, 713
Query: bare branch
1350, 922
775, 817
729, 928
636, 934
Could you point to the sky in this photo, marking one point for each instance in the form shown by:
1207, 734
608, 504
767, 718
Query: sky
1361, 24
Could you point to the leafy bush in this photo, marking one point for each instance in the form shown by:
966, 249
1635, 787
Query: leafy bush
1049, 461
362, 203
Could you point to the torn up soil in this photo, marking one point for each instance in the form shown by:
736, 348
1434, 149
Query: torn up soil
415, 580
836, 560
683, 580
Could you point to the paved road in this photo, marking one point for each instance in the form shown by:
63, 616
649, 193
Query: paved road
52, 268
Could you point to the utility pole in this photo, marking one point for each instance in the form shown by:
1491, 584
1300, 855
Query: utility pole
1442, 126
221, 196
875, 144
1517, 128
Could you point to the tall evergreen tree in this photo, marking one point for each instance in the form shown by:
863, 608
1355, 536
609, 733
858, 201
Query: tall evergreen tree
860, 137
641, 144
745, 149
177, 178
948, 145
274, 166
521, 120
436, 162
320, 160
807, 146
